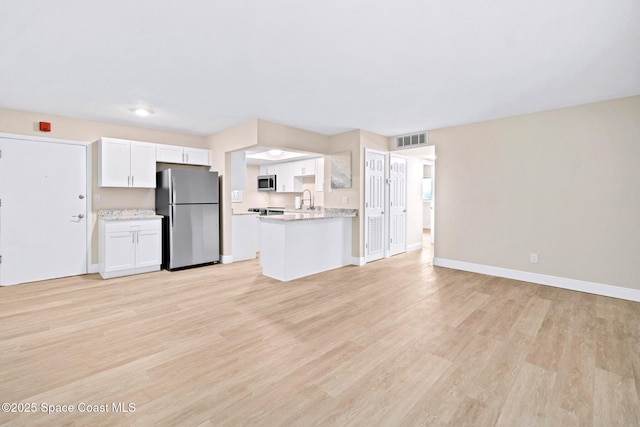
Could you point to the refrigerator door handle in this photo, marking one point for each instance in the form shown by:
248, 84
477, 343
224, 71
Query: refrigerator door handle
171, 216
173, 190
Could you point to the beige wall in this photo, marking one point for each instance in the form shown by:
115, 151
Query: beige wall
286, 137
564, 184
251, 197
221, 145
26, 123
333, 198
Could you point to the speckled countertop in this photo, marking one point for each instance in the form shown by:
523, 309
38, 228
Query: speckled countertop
244, 213
125, 214
326, 213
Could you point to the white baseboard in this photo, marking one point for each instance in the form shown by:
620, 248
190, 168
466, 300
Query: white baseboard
93, 268
543, 279
414, 247
359, 261
226, 259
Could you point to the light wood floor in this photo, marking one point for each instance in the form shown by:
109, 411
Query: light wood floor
394, 343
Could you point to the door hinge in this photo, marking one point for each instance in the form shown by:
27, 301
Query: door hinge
0, 154
0, 259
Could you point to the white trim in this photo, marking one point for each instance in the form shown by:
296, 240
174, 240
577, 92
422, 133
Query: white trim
42, 139
359, 261
226, 259
543, 279
88, 216
385, 234
129, 271
414, 247
93, 268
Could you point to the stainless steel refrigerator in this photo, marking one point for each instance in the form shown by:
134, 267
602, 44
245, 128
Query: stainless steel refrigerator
189, 201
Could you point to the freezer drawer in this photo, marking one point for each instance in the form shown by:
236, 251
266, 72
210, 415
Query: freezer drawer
193, 235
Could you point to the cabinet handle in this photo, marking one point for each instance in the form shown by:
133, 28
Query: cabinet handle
186, 157
132, 177
133, 238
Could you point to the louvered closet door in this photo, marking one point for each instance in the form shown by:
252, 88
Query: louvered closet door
374, 205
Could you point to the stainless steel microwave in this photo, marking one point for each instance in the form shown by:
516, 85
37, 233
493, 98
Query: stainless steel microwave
267, 183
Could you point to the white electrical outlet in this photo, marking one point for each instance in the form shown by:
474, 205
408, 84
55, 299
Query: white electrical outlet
345, 200
533, 258
96, 197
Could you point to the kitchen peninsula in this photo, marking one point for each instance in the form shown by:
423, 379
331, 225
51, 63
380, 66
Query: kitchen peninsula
296, 245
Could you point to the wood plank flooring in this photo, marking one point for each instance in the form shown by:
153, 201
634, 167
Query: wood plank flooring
394, 343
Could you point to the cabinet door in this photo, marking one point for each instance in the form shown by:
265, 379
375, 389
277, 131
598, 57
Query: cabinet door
113, 162
149, 248
119, 251
196, 156
268, 170
298, 168
143, 165
304, 167
169, 153
284, 179
320, 174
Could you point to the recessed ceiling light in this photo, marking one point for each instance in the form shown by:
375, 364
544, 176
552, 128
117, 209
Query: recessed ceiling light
142, 112
275, 153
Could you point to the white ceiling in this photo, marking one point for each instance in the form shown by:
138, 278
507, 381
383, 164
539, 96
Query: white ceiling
390, 67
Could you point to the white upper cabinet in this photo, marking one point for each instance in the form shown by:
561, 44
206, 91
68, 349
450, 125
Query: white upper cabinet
197, 156
320, 174
169, 153
123, 163
269, 169
286, 182
304, 167
182, 155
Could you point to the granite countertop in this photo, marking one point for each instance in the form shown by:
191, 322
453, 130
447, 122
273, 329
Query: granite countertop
244, 213
126, 214
325, 213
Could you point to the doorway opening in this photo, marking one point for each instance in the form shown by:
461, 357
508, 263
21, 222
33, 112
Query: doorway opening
428, 207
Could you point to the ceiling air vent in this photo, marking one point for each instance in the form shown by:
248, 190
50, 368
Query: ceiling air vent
414, 140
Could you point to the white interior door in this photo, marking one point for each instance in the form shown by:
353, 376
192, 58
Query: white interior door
375, 163
397, 204
433, 202
43, 229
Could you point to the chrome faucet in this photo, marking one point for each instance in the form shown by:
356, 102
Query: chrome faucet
310, 198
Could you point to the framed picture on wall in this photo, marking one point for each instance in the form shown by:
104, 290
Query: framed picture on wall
341, 170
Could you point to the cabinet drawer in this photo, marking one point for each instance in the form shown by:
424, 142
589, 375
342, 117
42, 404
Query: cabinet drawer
132, 225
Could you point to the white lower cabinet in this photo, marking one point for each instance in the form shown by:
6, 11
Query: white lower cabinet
244, 236
129, 246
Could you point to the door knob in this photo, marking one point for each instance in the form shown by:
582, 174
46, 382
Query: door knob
80, 216
81, 196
